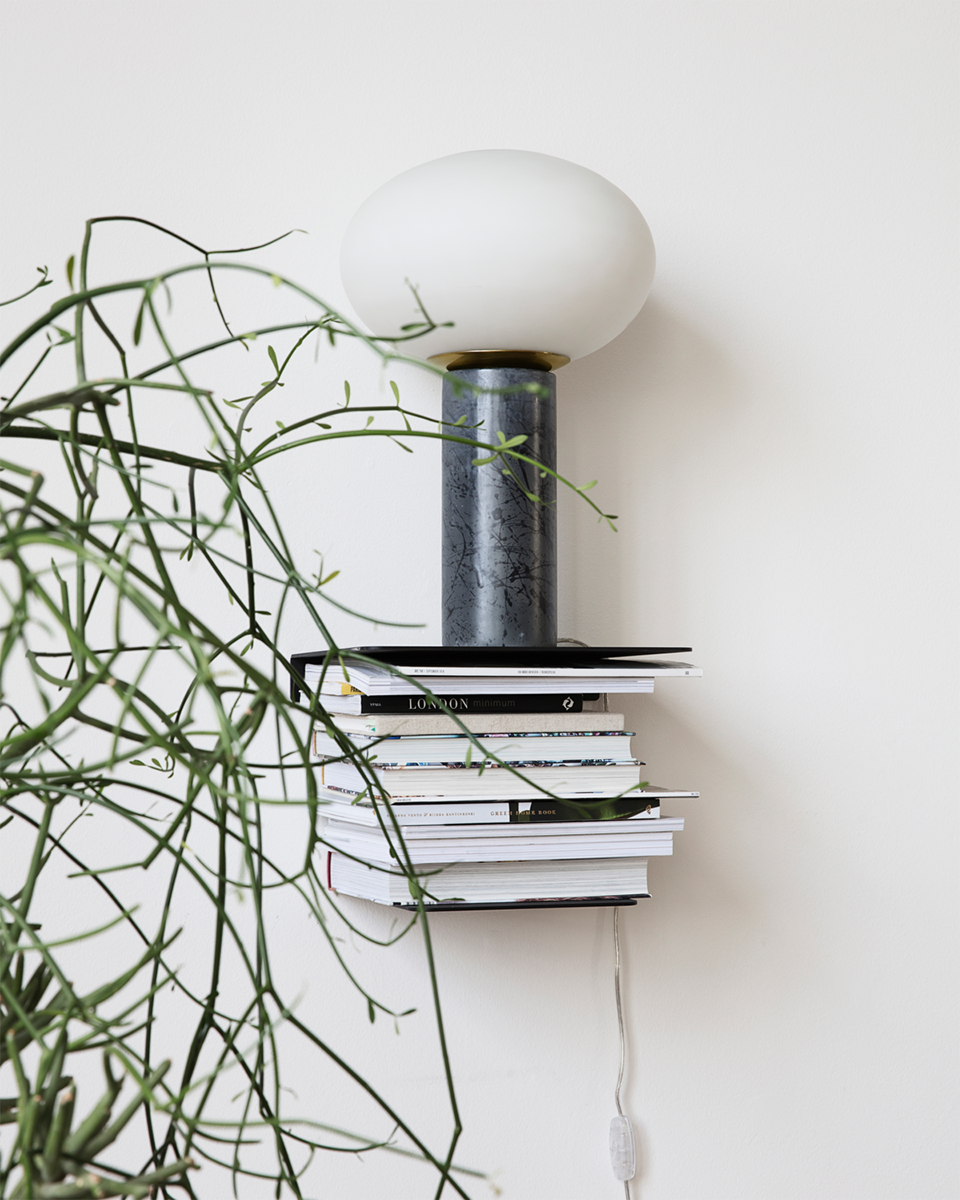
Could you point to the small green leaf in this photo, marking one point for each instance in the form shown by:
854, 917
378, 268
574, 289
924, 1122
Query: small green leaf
395, 390
369, 422
138, 324
371, 1011
332, 575
280, 425
587, 486
346, 390
273, 358
70, 262
276, 280
460, 420
481, 462
137, 762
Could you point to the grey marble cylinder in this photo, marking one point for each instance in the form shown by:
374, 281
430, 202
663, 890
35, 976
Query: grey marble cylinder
499, 548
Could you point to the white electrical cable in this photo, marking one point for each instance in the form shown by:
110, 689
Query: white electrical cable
623, 1153
616, 988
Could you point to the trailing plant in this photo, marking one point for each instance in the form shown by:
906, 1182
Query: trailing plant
133, 695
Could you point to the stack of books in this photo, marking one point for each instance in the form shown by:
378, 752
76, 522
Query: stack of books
544, 804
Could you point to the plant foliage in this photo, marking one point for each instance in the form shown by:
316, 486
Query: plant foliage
145, 683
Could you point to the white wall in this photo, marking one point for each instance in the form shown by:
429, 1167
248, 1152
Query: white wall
776, 431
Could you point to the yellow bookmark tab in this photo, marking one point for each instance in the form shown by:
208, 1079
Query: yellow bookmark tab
347, 689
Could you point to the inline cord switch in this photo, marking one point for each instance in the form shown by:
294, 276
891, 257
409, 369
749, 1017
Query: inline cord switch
623, 1151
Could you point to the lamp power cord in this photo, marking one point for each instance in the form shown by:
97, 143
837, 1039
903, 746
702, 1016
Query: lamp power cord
623, 1152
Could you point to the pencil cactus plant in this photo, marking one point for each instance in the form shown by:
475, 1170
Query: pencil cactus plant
129, 697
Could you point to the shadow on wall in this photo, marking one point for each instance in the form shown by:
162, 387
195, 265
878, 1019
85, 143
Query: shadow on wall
648, 415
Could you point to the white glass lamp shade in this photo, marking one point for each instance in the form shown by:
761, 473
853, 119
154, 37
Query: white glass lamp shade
521, 251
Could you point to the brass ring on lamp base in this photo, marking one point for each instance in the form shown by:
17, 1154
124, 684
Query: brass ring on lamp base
530, 360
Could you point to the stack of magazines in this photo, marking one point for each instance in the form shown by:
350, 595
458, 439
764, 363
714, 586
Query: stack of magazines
494, 777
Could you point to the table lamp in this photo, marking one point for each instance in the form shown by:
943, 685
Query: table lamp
525, 262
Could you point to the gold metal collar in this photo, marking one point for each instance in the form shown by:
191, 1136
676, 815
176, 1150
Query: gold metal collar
532, 360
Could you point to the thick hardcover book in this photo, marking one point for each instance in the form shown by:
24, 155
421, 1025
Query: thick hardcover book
418, 703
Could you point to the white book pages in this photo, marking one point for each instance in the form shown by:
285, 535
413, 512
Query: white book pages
621, 669
571, 779
512, 747
375, 848
415, 725
495, 882
334, 684
537, 831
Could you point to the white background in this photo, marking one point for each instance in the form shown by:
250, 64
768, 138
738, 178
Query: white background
776, 432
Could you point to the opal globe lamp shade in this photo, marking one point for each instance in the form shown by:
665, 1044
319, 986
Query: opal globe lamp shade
520, 251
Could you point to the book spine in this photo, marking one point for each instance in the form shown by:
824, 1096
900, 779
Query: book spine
516, 764
512, 812
493, 672
597, 810
418, 703
388, 748
447, 815
482, 687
